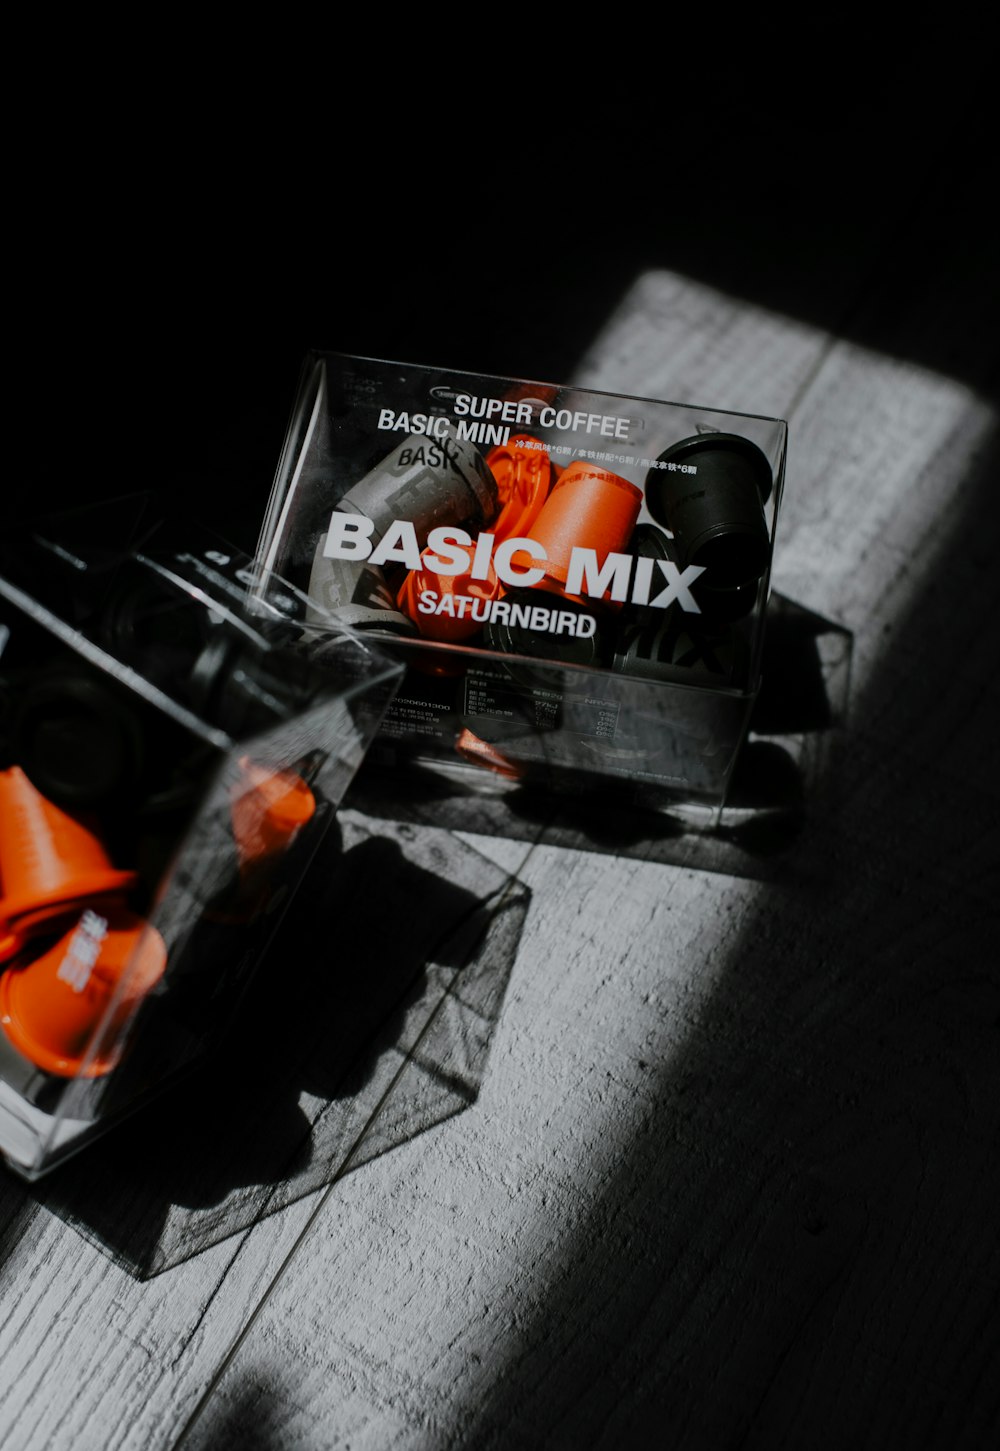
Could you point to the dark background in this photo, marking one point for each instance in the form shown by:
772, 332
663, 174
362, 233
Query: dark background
187, 225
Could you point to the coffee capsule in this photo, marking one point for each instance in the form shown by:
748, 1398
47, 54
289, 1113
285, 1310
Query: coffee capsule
721, 606
448, 607
589, 508
427, 480
524, 475
557, 630
67, 1010
355, 593
682, 647
78, 739
51, 864
709, 491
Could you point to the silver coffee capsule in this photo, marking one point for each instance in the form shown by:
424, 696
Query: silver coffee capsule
427, 481
355, 593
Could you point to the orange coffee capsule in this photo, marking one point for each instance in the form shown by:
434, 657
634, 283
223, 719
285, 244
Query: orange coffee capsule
67, 1010
268, 810
51, 865
447, 607
524, 475
588, 508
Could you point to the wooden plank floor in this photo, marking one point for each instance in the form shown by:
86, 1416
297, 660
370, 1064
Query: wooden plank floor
726, 1168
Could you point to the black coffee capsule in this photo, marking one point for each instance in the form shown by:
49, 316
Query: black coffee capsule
680, 647
724, 606
545, 626
77, 738
648, 542
718, 605
244, 688
710, 491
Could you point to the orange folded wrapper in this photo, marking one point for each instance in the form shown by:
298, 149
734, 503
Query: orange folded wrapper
524, 473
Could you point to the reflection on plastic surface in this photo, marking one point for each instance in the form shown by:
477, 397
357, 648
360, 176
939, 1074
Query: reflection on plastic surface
138, 897
591, 605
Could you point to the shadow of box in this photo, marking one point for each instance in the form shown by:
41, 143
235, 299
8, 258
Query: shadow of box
369, 1021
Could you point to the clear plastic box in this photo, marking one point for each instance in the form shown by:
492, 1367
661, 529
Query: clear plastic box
576, 581
176, 735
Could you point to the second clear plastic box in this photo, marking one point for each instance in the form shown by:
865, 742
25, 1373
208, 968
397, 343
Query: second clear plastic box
176, 736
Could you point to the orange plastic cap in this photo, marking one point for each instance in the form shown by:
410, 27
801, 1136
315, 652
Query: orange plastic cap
68, 1010
457, 598
269, 809
51, 865
589, 508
